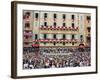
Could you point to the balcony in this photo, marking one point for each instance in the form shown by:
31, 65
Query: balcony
59, 28
57, 40
27, 33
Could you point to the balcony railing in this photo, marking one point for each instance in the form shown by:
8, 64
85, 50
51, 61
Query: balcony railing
59, 28
56, 40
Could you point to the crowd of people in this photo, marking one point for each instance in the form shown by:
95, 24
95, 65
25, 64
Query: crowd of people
72, 57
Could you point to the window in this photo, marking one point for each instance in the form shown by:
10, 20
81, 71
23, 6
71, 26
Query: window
88, 17
27, 13
63, 43
72, 25
64, 36
36, 36
72, 43
45, 15
27, 24
73, 16
54, 36
45, 23
88, 39
45, 36
54, 24
36, 15
54, 43
55, 15
64, 16
73, 36
81, 37
64, 24
88, 28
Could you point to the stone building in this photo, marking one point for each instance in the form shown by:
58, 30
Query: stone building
56, 29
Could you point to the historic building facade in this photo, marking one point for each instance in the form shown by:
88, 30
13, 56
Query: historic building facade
56, 29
